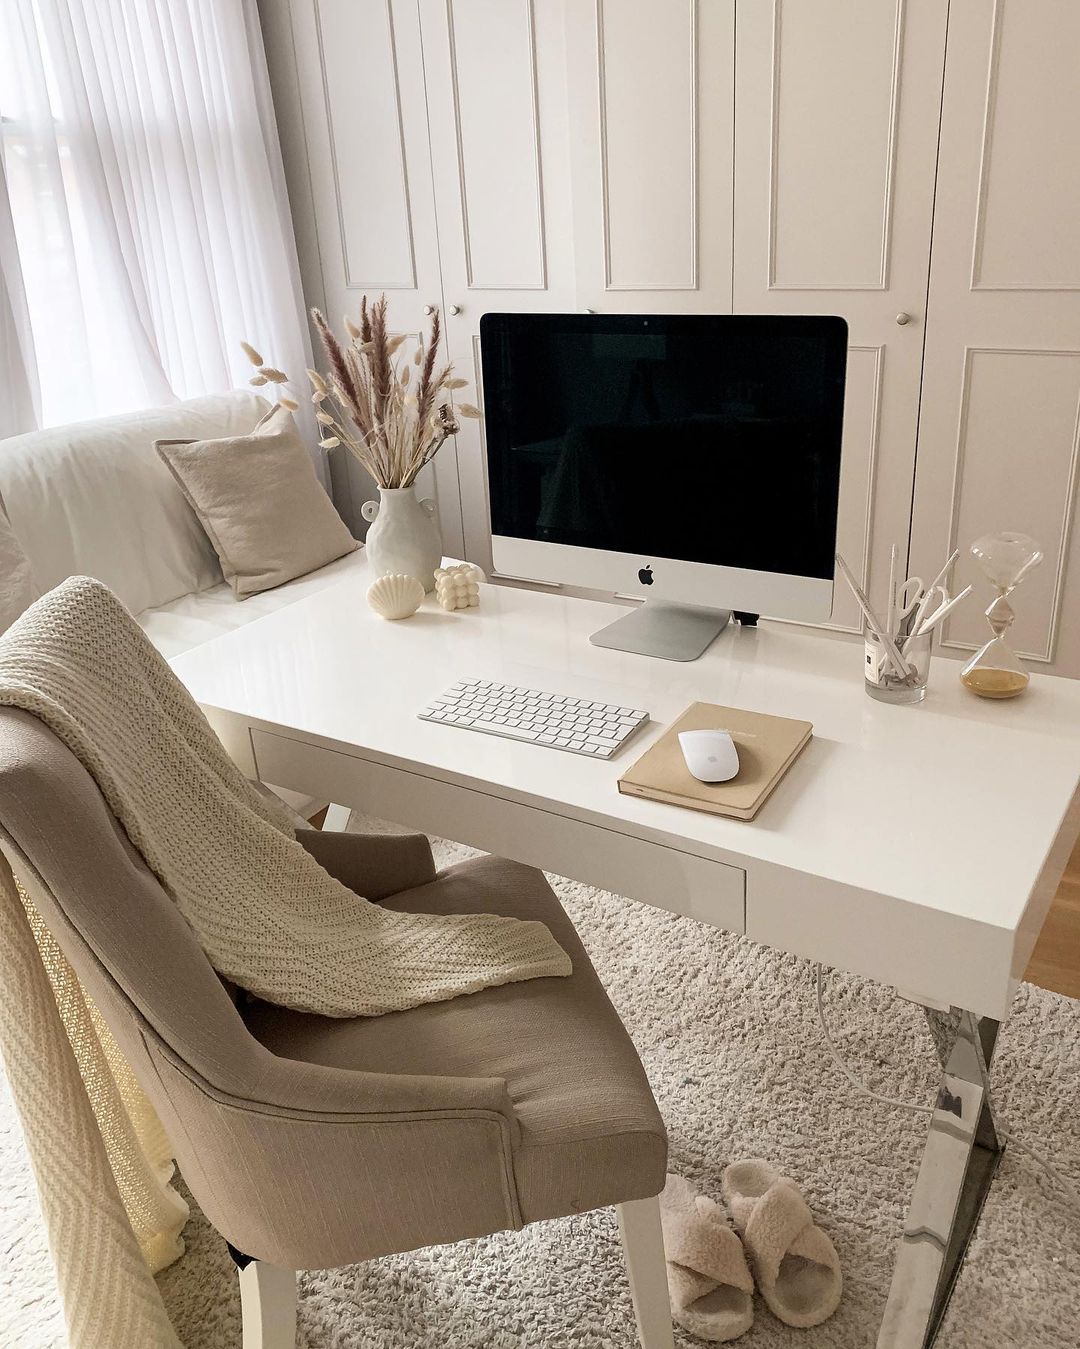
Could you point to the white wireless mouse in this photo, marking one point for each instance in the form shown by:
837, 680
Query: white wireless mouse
710, 755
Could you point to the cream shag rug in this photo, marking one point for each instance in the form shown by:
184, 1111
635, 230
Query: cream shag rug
729, 1035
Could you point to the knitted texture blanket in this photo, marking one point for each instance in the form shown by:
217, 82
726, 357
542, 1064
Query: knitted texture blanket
265, 912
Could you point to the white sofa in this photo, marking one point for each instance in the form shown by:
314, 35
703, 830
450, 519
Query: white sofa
94, 499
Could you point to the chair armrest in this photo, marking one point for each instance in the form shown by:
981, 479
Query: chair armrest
372, 865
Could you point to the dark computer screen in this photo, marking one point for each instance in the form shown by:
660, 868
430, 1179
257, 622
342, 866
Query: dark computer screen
706, 438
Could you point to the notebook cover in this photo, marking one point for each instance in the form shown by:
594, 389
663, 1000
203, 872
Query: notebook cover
767, 746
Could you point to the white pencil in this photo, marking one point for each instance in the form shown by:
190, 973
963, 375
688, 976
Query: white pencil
873, 623
931, 623
943, 572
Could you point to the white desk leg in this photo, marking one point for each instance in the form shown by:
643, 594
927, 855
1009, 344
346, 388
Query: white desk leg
962, 1153
268, 1306
643, 1248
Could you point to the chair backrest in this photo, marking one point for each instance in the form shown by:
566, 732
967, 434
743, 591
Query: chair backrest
260, 1139
94, 499
119, 929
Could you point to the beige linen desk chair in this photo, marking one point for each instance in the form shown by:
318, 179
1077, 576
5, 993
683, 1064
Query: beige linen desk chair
311, 1143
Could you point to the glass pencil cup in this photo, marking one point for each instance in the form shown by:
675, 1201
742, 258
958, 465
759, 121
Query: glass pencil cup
883, 680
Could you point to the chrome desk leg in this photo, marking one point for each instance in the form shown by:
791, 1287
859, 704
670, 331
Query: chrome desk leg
961, 1156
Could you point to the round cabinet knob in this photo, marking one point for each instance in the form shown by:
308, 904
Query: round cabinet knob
429, 309
903, 318
455, 309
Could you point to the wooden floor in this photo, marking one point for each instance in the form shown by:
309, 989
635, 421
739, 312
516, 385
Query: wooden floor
1055, 962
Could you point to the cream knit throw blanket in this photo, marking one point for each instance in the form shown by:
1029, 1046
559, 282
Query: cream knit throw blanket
265, 912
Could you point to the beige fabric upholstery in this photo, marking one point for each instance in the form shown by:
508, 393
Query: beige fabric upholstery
93, 499
260, 503
590, 1130
378, 866
503, 1106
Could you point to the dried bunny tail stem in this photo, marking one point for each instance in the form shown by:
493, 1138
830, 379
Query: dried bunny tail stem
424, 458
250, 352
317, 382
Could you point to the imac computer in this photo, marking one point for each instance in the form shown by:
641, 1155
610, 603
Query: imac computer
692, 459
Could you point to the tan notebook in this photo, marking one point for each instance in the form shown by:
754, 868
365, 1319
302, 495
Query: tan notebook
767, 746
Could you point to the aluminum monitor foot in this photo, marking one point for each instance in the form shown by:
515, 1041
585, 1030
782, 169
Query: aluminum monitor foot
670, 631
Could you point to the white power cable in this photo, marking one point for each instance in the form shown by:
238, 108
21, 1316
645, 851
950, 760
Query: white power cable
860, 1086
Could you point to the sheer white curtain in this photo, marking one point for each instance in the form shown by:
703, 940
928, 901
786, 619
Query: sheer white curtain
144, 226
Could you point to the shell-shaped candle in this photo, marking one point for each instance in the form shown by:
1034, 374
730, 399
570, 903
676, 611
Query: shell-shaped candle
395, 596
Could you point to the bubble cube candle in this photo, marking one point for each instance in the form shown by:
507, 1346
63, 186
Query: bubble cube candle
458, 587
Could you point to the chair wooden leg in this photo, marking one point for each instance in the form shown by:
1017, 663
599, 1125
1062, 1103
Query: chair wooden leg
268, 1306
643, 1248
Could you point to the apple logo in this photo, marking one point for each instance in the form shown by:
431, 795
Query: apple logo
645, 576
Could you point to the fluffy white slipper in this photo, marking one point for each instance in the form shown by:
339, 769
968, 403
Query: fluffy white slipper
794, 1262
710, 1284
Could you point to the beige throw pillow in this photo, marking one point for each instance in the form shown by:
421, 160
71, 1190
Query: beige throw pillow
260, 502
17, 588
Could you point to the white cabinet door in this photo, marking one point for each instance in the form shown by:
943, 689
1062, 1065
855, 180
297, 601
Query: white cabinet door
836, 117
349, 92
999, 437
651, 107
496, 91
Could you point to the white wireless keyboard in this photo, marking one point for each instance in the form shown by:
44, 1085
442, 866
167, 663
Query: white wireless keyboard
596, 729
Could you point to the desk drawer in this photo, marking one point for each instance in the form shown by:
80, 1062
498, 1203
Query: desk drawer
665, 877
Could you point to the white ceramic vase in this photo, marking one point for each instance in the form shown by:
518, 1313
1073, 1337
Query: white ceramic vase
404, 535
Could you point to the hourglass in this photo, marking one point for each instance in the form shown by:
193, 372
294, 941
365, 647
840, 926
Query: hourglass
995, 670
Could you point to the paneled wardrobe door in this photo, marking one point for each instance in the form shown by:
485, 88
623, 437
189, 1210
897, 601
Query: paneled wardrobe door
836, 125
999, 436
652, 107
496, 91
348, 79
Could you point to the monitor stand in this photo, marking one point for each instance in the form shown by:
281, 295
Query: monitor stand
670, 631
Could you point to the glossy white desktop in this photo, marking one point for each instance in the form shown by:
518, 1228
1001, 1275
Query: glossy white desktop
920, 846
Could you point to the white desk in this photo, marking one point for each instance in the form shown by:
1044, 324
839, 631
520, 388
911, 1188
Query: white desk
919, 846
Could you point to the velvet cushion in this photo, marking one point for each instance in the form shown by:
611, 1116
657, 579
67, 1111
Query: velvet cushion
260, 503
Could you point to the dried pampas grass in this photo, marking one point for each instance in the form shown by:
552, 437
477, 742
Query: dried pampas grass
394, 424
